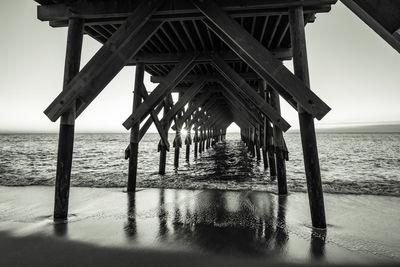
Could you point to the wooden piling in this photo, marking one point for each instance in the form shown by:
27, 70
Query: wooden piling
307, 129
162, 148
178, 139
196, 141
279, 148
67, 124
135, 130
257, 143
262, 128
269, 137
188, 142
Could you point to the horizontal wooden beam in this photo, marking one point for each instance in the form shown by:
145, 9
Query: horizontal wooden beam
260, 59
161, 91
107, 62
116, 10
160, 59
209, 77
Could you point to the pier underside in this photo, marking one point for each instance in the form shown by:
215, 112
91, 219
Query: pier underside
224, 58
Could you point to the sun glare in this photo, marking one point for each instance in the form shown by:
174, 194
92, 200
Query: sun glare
184, 132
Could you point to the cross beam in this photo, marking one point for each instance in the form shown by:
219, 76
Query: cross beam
260, 59
164, 88
113, 11
155, 119
107, 62
187, 96
169, 58
233, 77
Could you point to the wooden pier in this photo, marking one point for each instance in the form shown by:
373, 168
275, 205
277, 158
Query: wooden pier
224, 58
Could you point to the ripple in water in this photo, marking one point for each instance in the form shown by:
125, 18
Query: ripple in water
350, 163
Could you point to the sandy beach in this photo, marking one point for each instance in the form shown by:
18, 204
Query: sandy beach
167, 227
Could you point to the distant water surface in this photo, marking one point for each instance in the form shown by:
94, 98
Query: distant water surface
352, 163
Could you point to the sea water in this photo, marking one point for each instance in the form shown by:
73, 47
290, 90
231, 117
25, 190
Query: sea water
351, 163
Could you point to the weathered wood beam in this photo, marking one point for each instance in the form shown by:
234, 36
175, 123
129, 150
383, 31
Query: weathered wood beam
67, 124
169, 58
233, 77
260, 59
107, 62
115, 11
307, 129
279, 147
210, 77
162, 90
186, 97
154, 117
134, 138
149, 121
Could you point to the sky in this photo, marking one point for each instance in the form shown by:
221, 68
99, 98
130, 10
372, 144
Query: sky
352, 69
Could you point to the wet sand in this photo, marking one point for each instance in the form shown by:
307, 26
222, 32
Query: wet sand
169, 227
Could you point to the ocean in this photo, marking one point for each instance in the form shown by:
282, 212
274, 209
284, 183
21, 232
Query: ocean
351, 163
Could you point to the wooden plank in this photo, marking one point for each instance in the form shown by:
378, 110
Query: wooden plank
234, 78
155, 119
187, 96
210, 77
260, 59
107, 62
170, 58
161, 91
181, 9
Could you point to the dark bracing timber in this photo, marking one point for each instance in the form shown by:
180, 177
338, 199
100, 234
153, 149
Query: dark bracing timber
224, 58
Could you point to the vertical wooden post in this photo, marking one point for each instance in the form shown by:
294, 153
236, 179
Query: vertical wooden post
196, 140
162, 148
201, 136
178, 139
207, 138
188, 142
257, 142
279, 147
269, 137
307, 130
67, 124
262, 128
135, 130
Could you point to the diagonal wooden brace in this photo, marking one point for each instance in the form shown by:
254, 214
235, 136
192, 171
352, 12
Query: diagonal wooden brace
187, 96
161, 91
108, 61
260, 59
155, 119
233, 77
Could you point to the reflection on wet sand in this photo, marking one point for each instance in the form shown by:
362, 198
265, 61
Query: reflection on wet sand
222, 222
130, 227
60, 229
